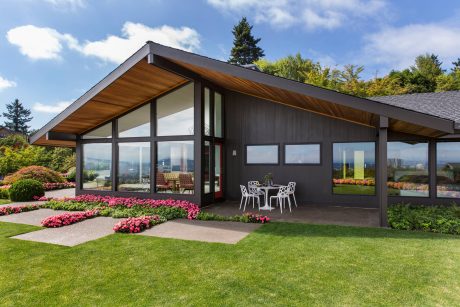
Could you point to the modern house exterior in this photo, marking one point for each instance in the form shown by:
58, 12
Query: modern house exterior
169, 123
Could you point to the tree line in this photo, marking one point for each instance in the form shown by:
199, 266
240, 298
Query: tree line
424, 76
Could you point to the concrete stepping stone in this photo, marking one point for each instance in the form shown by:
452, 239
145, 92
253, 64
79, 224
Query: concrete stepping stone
74, 234
206, 231
33, 217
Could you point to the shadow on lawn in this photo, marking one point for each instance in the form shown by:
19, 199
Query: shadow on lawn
312, 230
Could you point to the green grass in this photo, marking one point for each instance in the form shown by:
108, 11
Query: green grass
280, 264
4, 201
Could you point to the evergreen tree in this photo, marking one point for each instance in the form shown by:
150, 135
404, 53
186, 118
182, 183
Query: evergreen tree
245, 50
17, 116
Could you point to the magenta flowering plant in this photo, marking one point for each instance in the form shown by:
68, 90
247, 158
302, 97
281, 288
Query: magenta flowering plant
255, 218
42, 198
137, 224
68, 218
120, 202
58, 185
17, 209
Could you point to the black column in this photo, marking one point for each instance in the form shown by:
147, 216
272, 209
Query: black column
382, 176
198, 144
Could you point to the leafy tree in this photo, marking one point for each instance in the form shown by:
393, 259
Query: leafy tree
351, 80
17, 116
456, 65
245, 50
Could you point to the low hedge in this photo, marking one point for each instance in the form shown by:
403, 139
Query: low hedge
244, 218
26, 190
440, 219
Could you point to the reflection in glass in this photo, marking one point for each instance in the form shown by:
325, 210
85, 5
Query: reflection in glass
408, 169
207, 167
218, 118
103, 132
218, 169
302, 154
134, 167
136, 123
262, 154
207, 111
175, 164
448, 169
354, 168
175, 115
97, 166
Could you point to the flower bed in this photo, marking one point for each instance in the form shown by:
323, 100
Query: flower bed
68, 218
58, 185
120, 202
18, 209
245, 218
138, 224
367, 182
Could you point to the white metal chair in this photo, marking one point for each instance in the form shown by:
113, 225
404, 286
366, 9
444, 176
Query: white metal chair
281, 197
246, 196
252, 187
291, 185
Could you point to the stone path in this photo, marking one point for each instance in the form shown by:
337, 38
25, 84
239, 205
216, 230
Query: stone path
55, 194
206, 231
74, 234
31, 217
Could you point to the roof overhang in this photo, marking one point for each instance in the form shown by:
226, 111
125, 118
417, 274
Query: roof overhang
156, 69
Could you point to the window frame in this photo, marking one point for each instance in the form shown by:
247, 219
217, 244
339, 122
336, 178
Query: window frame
320, 163
278, 145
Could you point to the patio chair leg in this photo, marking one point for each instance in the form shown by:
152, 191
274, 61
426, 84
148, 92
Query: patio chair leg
281, 205
245, 203
289, 202
295, 201
241, 202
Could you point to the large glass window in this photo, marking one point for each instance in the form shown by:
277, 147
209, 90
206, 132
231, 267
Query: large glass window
135, 124
175, 167
262, 154
354, 168
134, 167
97, 166
218, 116
408, 169
207, 111
448, 169
103, 132
302, 154
175, 112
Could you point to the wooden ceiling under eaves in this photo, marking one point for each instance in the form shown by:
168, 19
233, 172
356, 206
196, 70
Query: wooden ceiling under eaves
138, 85
304, 102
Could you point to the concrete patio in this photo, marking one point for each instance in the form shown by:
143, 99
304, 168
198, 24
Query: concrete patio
313, 214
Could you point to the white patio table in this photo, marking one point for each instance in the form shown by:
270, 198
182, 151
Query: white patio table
266, 189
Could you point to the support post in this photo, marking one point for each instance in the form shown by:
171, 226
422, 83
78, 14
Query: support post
382, 173
198, 137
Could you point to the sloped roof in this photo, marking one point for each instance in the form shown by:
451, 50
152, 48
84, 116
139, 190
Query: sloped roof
443, 105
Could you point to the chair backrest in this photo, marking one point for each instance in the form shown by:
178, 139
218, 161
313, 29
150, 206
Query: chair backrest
291, 186
252, 186
185, 179
161, 179
244, 191
283, 191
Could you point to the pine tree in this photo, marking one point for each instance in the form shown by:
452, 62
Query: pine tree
245, 50
17, 116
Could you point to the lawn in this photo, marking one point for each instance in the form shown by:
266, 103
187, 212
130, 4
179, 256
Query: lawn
280, 264
4, 201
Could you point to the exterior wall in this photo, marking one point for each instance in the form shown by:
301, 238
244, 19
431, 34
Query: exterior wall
251, 120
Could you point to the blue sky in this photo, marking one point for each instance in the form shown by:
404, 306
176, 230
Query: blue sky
52, 51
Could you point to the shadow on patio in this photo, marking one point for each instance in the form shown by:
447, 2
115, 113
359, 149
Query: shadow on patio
312, 214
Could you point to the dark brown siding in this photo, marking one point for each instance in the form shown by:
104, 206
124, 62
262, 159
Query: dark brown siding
251, 120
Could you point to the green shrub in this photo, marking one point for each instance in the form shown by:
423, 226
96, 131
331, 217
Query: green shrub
39, 173
25, 190
72, 174
4, 194
68, 205
441, 219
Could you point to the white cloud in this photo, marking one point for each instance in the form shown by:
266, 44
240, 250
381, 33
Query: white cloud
47, 43
118, 48
313, 14
5, 83
397, 47
55, 108
67, 4
39, 43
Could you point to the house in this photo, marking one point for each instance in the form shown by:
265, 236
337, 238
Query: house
5, 132
169, 123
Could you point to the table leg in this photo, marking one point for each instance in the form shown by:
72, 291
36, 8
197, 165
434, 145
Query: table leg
266, 207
